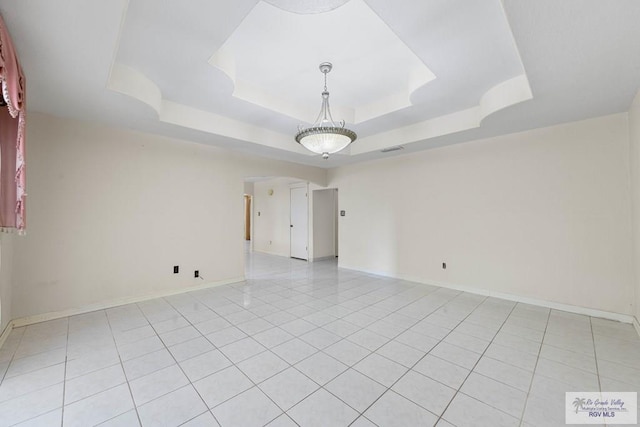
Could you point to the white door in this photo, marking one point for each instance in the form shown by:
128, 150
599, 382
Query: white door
299, 226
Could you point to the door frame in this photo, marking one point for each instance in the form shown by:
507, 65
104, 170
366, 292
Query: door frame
305, 186
248, 209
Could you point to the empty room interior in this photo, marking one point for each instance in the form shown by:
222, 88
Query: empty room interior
319, 213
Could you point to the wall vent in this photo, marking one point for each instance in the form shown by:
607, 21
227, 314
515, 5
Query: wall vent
389, 149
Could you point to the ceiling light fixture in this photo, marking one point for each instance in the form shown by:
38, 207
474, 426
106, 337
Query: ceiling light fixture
325, 136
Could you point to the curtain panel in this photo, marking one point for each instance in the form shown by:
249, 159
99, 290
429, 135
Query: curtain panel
12, 136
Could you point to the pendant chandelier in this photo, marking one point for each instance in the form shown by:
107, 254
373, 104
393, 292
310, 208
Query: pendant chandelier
325, 136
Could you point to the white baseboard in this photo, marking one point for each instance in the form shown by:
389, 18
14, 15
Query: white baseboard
272, 253
24, 321
5, 333
29, 320
624, 318
323, 258
592, 312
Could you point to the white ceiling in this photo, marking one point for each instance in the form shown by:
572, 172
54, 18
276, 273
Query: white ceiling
243, 74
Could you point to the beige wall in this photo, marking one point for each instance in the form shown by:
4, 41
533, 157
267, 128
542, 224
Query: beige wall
634, 142
110, 212
271, 216
6, 258
543, 214
248, 188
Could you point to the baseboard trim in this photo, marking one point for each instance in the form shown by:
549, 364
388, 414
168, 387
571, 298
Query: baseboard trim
624, 318
323, 258
5, 333
38, 318
272, 253
592, 312
29, 320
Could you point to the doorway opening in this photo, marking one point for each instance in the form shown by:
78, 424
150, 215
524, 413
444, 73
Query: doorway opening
325, 223
299, 222
291, 218
247, 217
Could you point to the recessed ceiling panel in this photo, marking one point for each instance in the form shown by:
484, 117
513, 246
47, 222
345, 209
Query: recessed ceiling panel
374, 72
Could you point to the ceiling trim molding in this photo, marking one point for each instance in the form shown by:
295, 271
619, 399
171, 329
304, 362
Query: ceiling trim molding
224, 61
505, 94
499, 97
131, 82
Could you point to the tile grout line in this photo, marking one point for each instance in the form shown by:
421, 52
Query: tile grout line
524, 408
361, 328
13, 355
318, 350
360, 414
474, 366
342, 338
42, 388
459, 294
314, 303
320, 386
124, 372
236, 366
418, 361
595, 354
64, 378
214, 345
177, 364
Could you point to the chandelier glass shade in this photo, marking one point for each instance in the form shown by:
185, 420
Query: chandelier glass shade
325, 136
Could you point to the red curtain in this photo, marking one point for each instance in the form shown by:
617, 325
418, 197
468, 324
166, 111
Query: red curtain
12, 136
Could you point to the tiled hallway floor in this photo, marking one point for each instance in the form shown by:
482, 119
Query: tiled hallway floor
312, 345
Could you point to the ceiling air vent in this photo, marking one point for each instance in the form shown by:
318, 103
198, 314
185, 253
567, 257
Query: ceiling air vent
390, 149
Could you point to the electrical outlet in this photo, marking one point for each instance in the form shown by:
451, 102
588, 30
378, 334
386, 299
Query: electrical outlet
196, 273
444, 265
176, 269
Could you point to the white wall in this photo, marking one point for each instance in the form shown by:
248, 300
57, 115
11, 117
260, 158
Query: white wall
324, 218
543, 214
6, 258
111, 211
634, 142
248, 188
271, 232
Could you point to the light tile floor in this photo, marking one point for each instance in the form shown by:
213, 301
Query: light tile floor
312, 345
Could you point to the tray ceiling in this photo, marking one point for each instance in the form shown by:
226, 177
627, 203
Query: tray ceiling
243, 74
